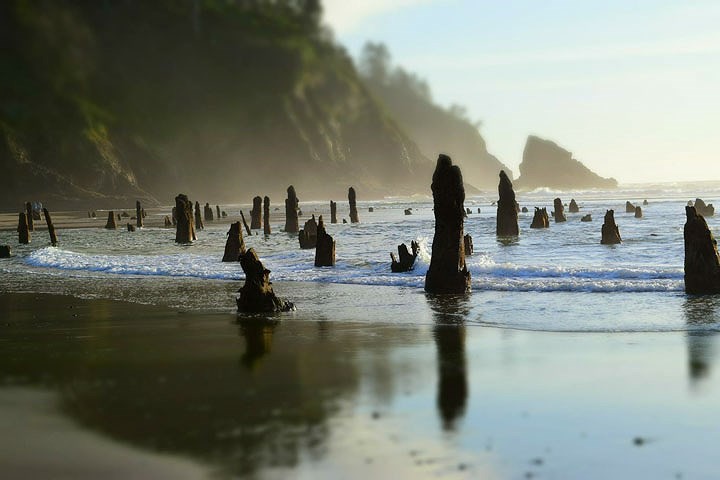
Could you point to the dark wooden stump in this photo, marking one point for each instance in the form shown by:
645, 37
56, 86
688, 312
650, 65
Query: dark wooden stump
29, 216
405, 261
638, 212
468, 243
325, 248
629, 207
50, 227
208, 212
247, 227
23, 229
353, 206
185, 231
257, 295
130, 227
333, 212
308, 235
448, 272
507, 214
139, 214
408, 211
199, 225
168, 222
540, 218
559, 211
235, 244
266, 216
702, 209
111, 224
174, 216
610, 231
217, 210
702, 264
256, 213
5, 251
291, 211
573, 208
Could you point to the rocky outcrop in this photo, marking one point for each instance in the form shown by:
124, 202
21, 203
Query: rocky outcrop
702, 209
545, 164
291, 211
638, 212
185, 225
573, 207
559, 211
507, 219
629, 207
23, 229
139, 214
610, 231
325, 248
702, 263
540, 218
333, 212
353, 206
256, 213
257, 294
235, 244
199, 225
586, 218
307, 236
208, 213
110, 224
405, 261
448, 272
266, 216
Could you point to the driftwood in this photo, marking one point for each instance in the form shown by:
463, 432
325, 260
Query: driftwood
307, 236
266, 216
507, 212
199, 225
256, 213
353, 206
291, 211
702, 263
325, 248
333, 212
23, 229
610, 231
257, 294
185, 231
139, 214
111, 225
235, 245
448, 272
559, 212
247, 228
50, 227
405, 261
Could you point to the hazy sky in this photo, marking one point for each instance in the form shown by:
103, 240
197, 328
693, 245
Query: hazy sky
632, 88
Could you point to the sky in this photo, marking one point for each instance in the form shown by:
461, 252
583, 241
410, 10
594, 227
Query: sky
631, 87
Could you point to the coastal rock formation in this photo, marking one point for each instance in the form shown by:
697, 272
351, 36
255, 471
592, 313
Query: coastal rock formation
185, 225
5, 251
256, 213
23, 229
559, 212
333, 212
307, 236
139, 214
540, 218
208, 213
507, 214
110, 224
702, 209
573, 208
586, 218
702, 264
448, 272
325, 249
235, 245
257, 294
29, 216
638, 212
610, 231
405, 261
545, 164
353, 206
629, 207
199, 225
266, 216
291, 211
468, 244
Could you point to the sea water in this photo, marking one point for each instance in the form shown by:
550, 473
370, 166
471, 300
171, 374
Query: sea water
560, 278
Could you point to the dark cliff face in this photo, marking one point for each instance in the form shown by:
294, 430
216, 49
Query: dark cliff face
102, 102
546, 164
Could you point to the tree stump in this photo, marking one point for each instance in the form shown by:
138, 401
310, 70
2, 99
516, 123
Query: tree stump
448, 272
610, 231
353, 206
139, 214
308, 235
217, 210
235, 244
559, 212
110, 224
540, 218
168, 222
199, 225
573, 208
23, 229
507, 214
174, 216
468, 243
325, 248
257, 295
256, 213
29, 216
629, 207
185, 225
586, 218
247, 228
702, 264
408, 211
208, 212
333, 212
266, 216
638, 212
291, 211
130, 227
702, 209
50, 227
5, 251
405, 261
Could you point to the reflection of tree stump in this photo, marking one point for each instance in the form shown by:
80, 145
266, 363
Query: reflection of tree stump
610, 231
23, 229
257, 295
452, 373
353, 206
258, 335
235, 245
325, 248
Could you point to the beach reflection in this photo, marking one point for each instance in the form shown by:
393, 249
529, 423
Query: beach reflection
449, 313
258, 334
701, 318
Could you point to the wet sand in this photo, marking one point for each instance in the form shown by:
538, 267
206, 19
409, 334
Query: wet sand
100, 388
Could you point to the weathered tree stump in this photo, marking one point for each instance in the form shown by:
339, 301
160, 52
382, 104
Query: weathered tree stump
111, 224
333, 212
94, 215
371, 209
266, 216
540, 218
235, 244
185, 225
50, 227
174, 216
199, 225
524, 210
507, 214
344, 220
468, 243
702, 209
89, 215
702, 264
130, 227
353, 206
559, 212
138, 214
257, 295
224, 214
291, 211
29, 216
256, 213
408, 211
573, 208
307, 236
629, 207
448, 272
610, 231
217, 210
208, 212
5, 251
586, 218
142, 210
247, 227
478, 210
23, 229
645, 202
405, 261
468, 212
638, 212
168, 222
325, 248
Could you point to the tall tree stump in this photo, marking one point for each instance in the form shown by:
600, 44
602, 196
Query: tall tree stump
235, 244
353, 206
185, 225
325, 248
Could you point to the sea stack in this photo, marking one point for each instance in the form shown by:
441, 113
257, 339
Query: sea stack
333, 212
325, 249
610, 231
235, 245
353, 207
702, 264
573, 207
256, 213
138, 214
448, 272
257, 295
507, 212
266, 216
29, 216
50, 227
559, 212
23, 229
208, 212
405, 261
199, 225
185, 226
308, 235
638, 212
291, 211
110, 224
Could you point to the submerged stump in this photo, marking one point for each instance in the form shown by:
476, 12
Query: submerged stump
235, 244
257, 294
540, 218
23, 229
405, 261
291, 211
702, 263
353, 206
266, 216
111, 224
586, 218
307, 236
610, 231
185, 225
507, 212
448, 272
559, 212
573, 207
325, 247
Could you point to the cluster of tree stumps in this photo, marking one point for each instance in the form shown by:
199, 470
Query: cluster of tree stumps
405, 261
